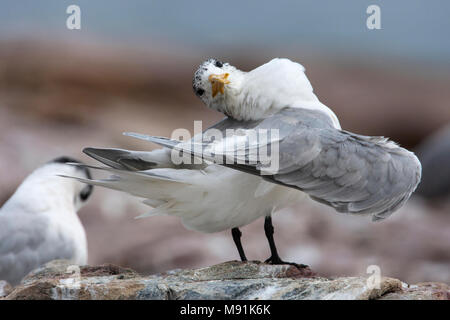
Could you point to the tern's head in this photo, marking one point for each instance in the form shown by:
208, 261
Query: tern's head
47, 188
213, 81
81, 191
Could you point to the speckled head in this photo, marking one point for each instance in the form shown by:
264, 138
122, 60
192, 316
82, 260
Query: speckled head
213, 80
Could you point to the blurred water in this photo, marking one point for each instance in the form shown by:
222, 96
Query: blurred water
415, 29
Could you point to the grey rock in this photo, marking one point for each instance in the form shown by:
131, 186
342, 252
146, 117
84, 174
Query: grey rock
58, 280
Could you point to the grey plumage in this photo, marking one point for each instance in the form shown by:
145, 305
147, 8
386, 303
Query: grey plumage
25, 248
349, 172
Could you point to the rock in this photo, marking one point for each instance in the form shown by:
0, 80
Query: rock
59, 280
421, 291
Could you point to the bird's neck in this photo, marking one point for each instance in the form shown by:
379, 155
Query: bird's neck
242, 105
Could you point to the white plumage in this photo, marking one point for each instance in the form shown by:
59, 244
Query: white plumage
208, 198
39, 223
259, 93
349, 172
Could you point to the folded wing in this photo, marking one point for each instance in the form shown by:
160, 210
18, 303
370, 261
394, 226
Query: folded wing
349, 172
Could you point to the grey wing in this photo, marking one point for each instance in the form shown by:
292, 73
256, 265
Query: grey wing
24, 245
349, 172
285, 122
352, 173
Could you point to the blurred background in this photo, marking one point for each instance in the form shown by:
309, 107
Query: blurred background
130, 67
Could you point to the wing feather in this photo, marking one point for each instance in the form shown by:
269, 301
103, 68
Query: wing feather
350, 172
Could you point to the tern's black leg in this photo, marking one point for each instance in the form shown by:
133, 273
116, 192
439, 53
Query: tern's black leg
236, 233
274, 257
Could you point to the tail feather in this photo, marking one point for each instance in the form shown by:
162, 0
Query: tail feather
149, 175
165, 142
130, 160
154, 185
175, 145
158, 211
153, 203
153, 174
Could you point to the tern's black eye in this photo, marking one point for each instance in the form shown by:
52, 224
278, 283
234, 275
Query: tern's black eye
86, 192
200, 92
219, 64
